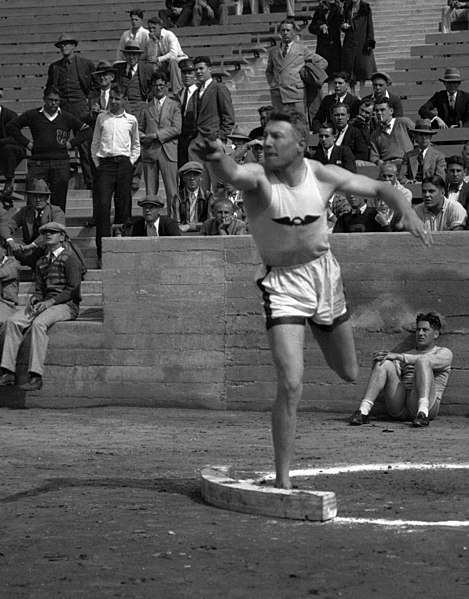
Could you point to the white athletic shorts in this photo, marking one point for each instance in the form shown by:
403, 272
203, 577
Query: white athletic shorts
311, 291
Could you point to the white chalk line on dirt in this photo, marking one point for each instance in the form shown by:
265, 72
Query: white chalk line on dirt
400, 523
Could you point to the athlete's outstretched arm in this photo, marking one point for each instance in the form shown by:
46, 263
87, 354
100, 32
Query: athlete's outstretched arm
343, 181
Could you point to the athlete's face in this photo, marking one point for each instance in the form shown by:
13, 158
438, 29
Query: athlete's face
425, 335
282, 144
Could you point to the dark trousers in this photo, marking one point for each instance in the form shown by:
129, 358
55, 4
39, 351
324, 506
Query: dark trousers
182, 20
84, 149
114, 178
183, 149
57, 175
10, 156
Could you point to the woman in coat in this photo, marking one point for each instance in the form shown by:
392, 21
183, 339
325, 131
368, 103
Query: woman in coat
325, 25
359, 41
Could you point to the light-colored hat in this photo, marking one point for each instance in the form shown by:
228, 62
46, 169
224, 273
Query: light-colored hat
39, 187
381, 75
53, 226
238, 134
423, 126
153, 200
452, 74
191, 167
66, 38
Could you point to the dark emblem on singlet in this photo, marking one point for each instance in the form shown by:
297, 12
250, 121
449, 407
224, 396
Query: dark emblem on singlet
297, 221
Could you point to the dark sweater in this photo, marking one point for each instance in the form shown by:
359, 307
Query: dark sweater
49, 137
60, 280
359, 223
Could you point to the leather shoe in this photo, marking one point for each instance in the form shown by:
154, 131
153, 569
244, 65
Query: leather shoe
357, 418
34, 384
420, 420
7, 379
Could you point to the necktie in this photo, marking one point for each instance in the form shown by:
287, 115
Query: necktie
419, 174
201, 90
284, 50
129, 73
452, 101
184, 100
158, 109
103, 100
37, 222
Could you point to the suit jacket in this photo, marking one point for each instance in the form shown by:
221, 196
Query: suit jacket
355, 139
434, 163
167, 126
214, 112
90, 117
188, 118
283, 74
440, 103
24, 219
340, 156
360, 223
144, 73
463, 197
167, 227
323, 115
85, 68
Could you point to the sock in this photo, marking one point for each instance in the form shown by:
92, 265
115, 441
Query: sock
423, 405
365, 406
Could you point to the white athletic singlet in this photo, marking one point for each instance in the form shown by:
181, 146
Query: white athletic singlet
292, 230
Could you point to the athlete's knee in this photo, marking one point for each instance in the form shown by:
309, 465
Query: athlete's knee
422, 364
290, 386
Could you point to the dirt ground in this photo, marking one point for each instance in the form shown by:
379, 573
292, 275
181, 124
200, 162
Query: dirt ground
105, 502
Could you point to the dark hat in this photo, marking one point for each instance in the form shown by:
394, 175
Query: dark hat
53, 226
104, 67
39, 187
452, 74
151, 200
186, 64
64, 38
381, 75
132, 48
238, 134
423, 126
191, 167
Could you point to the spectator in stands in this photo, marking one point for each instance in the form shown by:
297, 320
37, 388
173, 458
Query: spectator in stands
412, 382
178, 13
380, 82
325, 25
135, 77
388, 171
456, 12
50, 129
254, 6
192, 203
423, 161
160, 126
153, 223
391, 139
164, 52
98, 102
239, 140
360, 219
215, 114
187, 98
257, 149
456, 188
465, 157
341, 95
73, 77
56, 298
11, 153
359, 42
329, 153
29, 219
363, 120
348, 135
451, 104
115, 149
9, 282
209, 12
284, 64
224, 222
437, 212
136, 35
264, 115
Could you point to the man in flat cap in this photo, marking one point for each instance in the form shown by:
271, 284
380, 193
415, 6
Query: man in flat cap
191, 204
160, 126
451, 104
380, 82
30, 218
137, 34
164, 52
153, 223
424, 160
187, 98
56, 298
72, 75
50, 129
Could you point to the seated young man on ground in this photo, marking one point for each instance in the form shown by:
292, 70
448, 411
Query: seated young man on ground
412, 382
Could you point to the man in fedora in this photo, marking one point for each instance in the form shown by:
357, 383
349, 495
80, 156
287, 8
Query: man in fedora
239, 143
36, 213
135, 76
191, 204
152, 223
451, 104
72, 75
187, 98
380, 82
56, 298
423, 161
160, 125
